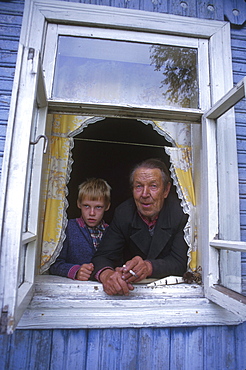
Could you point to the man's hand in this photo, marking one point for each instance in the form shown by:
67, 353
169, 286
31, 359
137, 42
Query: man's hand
136, 270
85, 271
113, 283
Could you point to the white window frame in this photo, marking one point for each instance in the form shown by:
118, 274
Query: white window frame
165, 306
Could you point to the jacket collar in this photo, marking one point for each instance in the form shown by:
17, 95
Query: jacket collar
152, 246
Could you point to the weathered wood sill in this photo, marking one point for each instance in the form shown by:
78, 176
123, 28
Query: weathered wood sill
62, 303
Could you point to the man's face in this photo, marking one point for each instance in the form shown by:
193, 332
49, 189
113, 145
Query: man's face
92, 211
149, 192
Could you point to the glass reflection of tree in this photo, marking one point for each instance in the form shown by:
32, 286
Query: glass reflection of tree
178, 66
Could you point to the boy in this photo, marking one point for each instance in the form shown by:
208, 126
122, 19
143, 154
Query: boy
84, 234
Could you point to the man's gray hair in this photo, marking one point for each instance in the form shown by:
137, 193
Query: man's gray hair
152, 163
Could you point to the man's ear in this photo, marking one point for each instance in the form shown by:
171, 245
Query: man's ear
167, 189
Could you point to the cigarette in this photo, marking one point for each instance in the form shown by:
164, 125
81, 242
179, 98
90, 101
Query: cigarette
131, 272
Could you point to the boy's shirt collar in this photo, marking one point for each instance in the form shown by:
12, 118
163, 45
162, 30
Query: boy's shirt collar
95, 232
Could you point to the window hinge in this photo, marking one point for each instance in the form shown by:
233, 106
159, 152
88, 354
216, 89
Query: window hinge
4, 320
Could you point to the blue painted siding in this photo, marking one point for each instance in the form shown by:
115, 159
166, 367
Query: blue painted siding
10, 26
203, 348
238, 42
199, 348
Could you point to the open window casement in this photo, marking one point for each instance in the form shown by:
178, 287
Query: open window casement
222, 275
61, 303
21, 185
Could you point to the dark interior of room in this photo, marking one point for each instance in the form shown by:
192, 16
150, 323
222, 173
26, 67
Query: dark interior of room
114, 159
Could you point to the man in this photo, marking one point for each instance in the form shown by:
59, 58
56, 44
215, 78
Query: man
145, 238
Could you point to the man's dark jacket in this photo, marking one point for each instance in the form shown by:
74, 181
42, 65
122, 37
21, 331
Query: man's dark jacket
128, 236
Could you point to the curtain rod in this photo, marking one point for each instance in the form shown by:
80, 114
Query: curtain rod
119, 142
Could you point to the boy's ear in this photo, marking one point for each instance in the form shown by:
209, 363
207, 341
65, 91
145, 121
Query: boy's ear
107, 208
78, 204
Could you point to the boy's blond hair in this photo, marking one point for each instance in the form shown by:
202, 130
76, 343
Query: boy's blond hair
95, 189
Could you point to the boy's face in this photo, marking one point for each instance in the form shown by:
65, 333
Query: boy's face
92, 211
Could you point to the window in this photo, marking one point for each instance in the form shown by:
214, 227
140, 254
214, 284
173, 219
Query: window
45, 27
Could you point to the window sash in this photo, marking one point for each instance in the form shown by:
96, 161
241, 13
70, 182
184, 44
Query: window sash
227, 296
16, 292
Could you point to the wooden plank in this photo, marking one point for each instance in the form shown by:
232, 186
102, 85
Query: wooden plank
235, 11
240, 340
4, 350
94, 347
129, 348
76, 349
194, 349
19, 356
145, 348
183, 8
111, 343
68, 349
161, 354
210, 10
186, 348
40, 349
227, 354
212, 345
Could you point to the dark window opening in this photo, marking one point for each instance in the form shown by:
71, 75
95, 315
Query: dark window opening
112, 161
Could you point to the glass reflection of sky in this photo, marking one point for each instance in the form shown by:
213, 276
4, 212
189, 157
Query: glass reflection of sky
107, 71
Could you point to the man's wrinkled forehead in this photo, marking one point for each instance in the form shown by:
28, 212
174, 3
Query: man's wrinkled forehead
145, 174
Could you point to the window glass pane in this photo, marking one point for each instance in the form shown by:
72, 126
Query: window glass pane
21, 274
230, 271
126, 73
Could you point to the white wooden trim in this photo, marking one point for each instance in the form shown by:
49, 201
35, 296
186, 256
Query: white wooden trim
230, 300
203, 74
125, 35
209, 207
28, 237
228, 101
63, 303
14, 299
235, 246
227, 166
49, 59
126, 111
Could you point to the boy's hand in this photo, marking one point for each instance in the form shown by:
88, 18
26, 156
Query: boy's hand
85, 271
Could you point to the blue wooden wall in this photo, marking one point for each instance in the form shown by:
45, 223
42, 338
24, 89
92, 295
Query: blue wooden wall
210, 348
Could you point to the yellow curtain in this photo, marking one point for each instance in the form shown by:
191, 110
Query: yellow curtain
59, 168
181, 172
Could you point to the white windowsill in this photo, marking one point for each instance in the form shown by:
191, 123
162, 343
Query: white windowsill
62, 303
